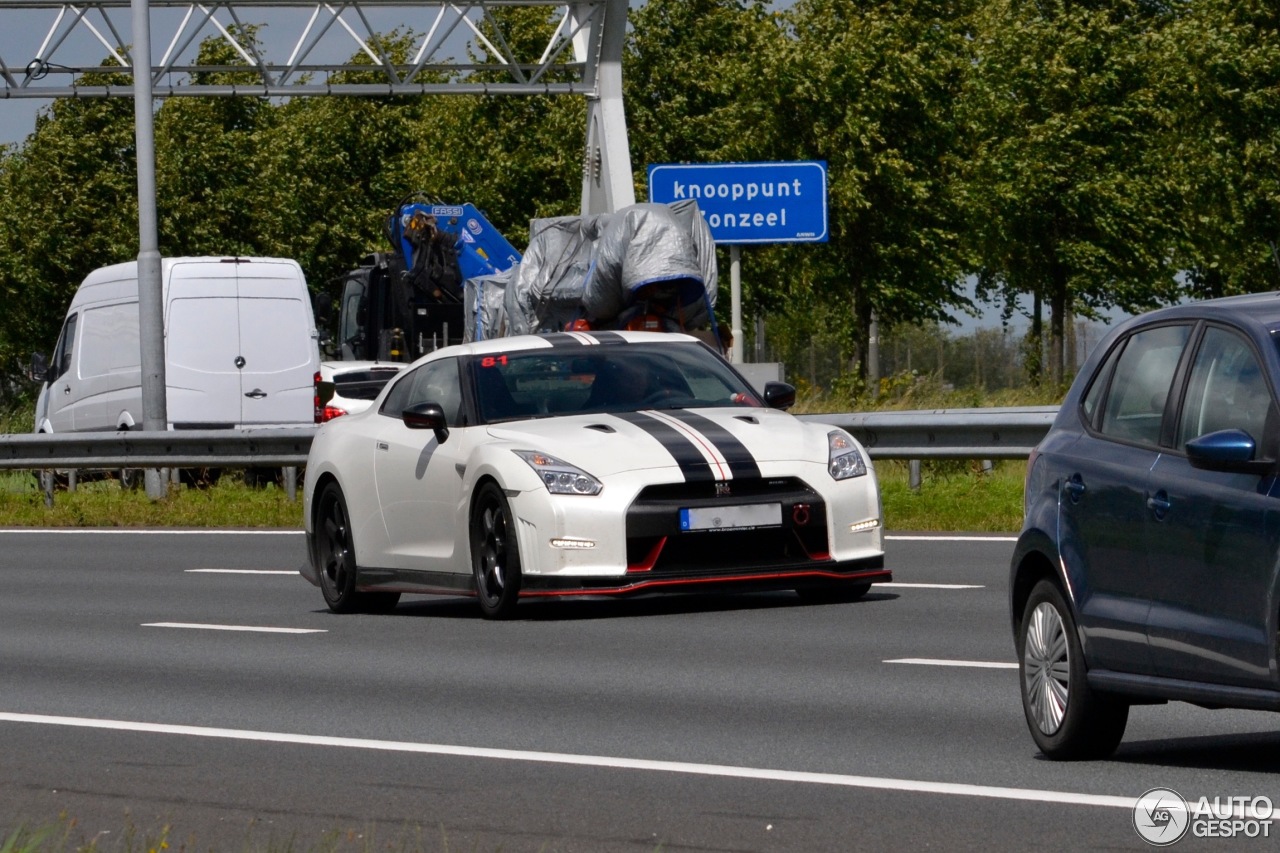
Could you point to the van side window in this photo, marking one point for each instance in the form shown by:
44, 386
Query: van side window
109, 340
65, 350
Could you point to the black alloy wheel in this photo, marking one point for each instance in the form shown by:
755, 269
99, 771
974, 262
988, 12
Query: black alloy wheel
495, 553
335, 559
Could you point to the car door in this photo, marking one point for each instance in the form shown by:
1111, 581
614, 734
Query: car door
418, 478
278, 353
63, 381
1103, 513
1213, 536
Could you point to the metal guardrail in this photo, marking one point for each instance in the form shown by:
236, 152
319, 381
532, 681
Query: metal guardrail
996, 433
215, 448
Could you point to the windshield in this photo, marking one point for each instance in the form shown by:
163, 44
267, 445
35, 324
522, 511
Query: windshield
609, 378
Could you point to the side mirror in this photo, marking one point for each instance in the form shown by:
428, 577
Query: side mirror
325, 392
427, 416
1232, 450
779, 395
38, 371
323, 308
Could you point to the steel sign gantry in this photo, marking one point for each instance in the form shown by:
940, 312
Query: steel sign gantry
300, 45
582, 56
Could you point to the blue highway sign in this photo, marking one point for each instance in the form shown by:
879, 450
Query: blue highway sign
750, 202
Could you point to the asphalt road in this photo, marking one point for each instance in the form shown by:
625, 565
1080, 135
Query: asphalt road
719, 723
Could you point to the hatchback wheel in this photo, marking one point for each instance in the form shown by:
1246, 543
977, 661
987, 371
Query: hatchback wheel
1067, 718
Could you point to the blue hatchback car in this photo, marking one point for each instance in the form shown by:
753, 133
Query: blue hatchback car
1148, 567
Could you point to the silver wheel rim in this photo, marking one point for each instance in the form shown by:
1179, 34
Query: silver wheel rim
1046, 668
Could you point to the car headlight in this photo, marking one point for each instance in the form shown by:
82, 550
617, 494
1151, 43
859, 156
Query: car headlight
560, 477
843, 457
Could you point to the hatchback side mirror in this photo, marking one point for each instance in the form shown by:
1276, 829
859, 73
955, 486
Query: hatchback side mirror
427, 416
779, 395
1227, 450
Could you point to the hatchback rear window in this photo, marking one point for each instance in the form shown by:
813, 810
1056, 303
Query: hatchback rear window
363, 384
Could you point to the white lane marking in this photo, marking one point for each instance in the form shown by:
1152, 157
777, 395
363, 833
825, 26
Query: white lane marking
204, 627
240, 571
836, 779
151, 532
932, 585
943, 537
979, 664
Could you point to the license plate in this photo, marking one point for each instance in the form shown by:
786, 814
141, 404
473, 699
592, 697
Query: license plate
731, 517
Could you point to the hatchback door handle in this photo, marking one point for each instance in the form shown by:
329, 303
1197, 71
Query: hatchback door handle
256, 393
1075, 487
1159, 504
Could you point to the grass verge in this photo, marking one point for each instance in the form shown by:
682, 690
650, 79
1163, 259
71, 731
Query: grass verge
953, 496
102, 503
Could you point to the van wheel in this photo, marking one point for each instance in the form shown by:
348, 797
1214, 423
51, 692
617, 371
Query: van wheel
1068, 719
58, 480
260, 478
199, 478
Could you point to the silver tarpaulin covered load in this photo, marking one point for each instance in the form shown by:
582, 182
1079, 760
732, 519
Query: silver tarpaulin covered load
651, 261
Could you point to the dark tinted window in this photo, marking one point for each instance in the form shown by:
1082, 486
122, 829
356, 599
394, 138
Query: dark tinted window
363, 384
1227, 389
611, 378
65, 350
435, 382
1093, 399
1140, 387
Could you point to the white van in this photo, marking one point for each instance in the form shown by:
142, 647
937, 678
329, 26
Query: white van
240, 349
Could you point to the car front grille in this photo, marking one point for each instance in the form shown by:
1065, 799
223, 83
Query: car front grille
657, 547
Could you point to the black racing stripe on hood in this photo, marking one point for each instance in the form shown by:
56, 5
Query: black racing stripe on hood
692, 463
741, 462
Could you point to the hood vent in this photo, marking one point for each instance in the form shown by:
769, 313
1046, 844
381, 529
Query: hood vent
601, 428
747, 419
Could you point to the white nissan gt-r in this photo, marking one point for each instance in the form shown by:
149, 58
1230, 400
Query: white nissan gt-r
600, 464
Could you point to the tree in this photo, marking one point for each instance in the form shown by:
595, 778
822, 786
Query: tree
208, 162
68, 204
1218, 75
1065, 198
870, 87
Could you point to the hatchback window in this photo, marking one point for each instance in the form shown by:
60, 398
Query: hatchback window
1093, 398
1135, 401
1227, 389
